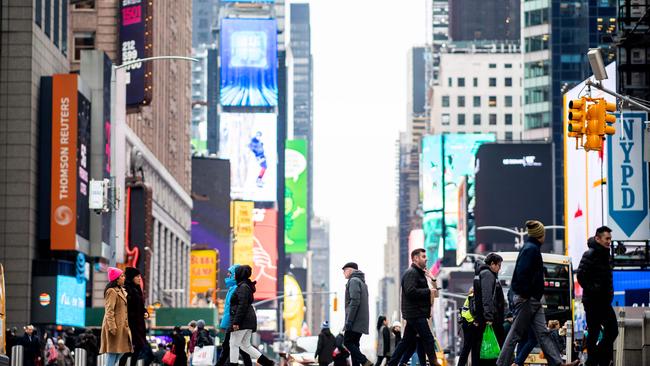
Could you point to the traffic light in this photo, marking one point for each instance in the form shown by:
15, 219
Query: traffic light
577, 115
335, 304
609, 118
599, 123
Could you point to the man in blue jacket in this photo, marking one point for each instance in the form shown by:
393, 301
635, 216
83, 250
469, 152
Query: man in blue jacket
528, 287
231, 285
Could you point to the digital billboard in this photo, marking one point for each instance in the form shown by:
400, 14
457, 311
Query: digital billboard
249, 75
514, 183
203, 277
265, 253
431, 167
243, 232
70, 301
295, 197
135, 43
211, 208
249, 141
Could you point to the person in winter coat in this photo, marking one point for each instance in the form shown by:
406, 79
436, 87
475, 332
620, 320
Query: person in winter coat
191, 332
31, 346
341, 353
88, 341
203, 337
417, 300
231, 285
470, 329
383, 341
50, 352
178, 347
595, 277
116, 335
64, 356
243, 318
325, 346
528, 287
357, 313
137, 313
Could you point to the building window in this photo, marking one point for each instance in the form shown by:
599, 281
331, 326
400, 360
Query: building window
38, 12
83, 41
508, 136
536, 17
477, 101
493, 82
536, 69
461, 119
461, 82
537, 95
55, 31
537, 43
445, 100
492, 101
87, 4
48, 17
493, 66
508, 81
508, 101
445, 119
461, 101
449, 83
475, 82
64, 27
493, 119
508, 66
508, 119
477, 119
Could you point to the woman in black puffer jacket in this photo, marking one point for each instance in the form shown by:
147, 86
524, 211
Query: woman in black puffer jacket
244, 319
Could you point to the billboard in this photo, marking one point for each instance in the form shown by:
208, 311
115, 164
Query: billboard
211, 208
514, 183
136, 24
249, 141
631, 288
462, 235
242, 227
265, 253
627, 176
139, 227
249, 75
70, 301
585, 206
295, 197
294, 307
203, 277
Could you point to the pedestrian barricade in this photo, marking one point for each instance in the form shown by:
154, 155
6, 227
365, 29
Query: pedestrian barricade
80, 357
17, 354
632, 347
102, 359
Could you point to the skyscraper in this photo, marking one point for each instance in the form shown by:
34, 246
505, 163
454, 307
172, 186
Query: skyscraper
204, 18
480, 20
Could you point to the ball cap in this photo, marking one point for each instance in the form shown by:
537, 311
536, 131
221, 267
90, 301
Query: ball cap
351, 265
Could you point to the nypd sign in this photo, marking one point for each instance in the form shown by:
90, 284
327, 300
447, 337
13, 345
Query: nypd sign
627, 179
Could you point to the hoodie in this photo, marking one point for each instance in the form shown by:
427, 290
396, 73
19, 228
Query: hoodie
492, 300
357, 316
241, 304
231, 285
595, 274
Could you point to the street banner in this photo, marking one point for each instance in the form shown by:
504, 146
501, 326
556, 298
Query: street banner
627, 179
203, 277
265, 253
242, 218
296, 221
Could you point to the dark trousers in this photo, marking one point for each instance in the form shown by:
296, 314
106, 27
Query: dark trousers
418, 348
470, 333
600, 315
380, 359
414, 328
525, 347
134, 357
351, 341
224, 356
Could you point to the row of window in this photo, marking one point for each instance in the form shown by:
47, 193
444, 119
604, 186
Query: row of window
492, 82
52, 17
476, 101
507, 136
445, 119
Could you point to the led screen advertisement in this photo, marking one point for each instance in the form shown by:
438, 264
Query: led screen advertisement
514, 182
295, 197
135, 43
249, 75
70, 301
243, 232
249, 141
203, 277
211, 208
265, 253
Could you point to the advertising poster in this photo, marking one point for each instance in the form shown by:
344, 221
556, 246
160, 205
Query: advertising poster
135, 43
249, 141
585, 196
249, 75
627, 177
295, 197
294, 307
242, 226
70, 301
265, 253
203, 277
431, 166
211, 208
461, 228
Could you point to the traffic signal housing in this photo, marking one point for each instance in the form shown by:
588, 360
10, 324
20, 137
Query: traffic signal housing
577, 116
599, 124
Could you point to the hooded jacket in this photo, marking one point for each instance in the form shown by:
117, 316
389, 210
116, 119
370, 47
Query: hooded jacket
357, 316
595, 274
416, 295
231, 285
528, 277
241, 304
492, 300
136, 310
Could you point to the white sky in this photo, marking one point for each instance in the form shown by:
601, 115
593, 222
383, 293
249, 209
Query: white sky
359, 49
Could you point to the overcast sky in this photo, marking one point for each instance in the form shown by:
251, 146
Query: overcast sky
359, 49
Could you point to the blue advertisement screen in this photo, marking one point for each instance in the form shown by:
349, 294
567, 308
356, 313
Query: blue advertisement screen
249, 51
631, 287
70, 301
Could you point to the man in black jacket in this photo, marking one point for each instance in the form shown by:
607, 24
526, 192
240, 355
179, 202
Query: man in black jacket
595, 277
31, 346
528, 287
357, 315
417, 299
490, 302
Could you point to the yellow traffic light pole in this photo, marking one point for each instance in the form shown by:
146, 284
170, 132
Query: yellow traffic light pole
589, 116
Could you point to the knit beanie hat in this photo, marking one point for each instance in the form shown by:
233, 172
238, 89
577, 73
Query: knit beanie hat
114, 273
200, 323
131, 272
535, 229
325, 325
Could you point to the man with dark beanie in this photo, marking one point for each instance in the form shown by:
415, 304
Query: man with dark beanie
137, 313
528, 287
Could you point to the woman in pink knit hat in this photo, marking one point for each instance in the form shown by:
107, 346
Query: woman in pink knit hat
116, 336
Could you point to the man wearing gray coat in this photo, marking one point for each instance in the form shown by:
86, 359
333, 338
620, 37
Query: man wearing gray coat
357, 313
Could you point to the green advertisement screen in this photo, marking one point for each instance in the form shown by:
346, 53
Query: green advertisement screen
295, 197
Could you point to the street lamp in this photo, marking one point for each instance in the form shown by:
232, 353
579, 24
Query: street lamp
519, 242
